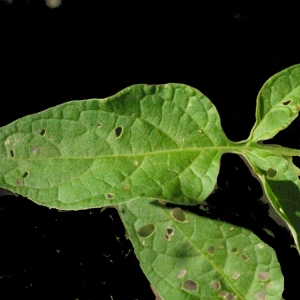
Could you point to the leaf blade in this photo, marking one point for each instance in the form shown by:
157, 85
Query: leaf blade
278, 104
281, 184
191, 257
145, 141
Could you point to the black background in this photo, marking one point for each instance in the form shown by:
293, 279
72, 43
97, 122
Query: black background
89, 49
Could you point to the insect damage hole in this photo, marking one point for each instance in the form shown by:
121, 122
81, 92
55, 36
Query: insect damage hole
287, 102
190, 285
216, 285
178, 214
118, 131
211, 250
43, 132
146, 230
12, 153
169, 233
110, 196
260, 295
25, 174
271, 172
264, 276
245, 257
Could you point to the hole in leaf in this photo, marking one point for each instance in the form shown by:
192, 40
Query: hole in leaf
110, 196
264, 276
230, 296
190, 285
211, 250
99, 125
42, 132
287, 102
216, 285
12, 153
178, 214
236, 275
161, 202
271, 172
146, 230
260, 295
170, 231
181, 273
25, 174
118, 131
245, 257
234, 250
167, 237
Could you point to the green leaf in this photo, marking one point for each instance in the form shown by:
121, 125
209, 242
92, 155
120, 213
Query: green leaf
186, 256
160, 142
146, 142
278, 104
279, 177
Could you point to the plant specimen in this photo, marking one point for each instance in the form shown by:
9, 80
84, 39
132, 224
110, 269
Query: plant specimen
151, 145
